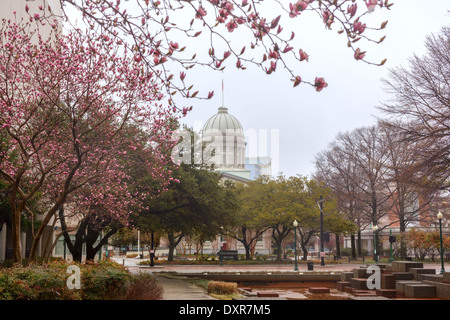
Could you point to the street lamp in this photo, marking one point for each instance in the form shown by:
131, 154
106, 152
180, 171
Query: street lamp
375, 229
295, 248
440, 216
221, 243
391, 240
322, 253
152, 250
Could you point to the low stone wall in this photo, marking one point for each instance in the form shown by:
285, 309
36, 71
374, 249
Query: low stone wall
265, 277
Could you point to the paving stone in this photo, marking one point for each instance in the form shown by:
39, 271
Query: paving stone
388, 293
368, 298
358, 283
442, 289
404, 266
258, 298
417, 271
360, 273
319, 290
430, 277
348, 289
419, 291
446, 277
267, 294
403, 276
346, 276
400, 285
340, 285
388, 281
364, 293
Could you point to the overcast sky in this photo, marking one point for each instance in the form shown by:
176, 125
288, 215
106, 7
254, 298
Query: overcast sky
302, 120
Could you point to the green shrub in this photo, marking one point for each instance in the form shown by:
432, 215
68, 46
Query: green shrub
100, 281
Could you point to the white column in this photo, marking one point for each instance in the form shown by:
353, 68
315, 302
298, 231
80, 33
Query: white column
369, 246
23, 243
3, 243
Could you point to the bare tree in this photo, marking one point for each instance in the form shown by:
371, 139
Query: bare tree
337, 172
359, 160
420, 107
411, 197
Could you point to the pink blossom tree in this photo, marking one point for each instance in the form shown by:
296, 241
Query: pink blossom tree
159, 32
67, 106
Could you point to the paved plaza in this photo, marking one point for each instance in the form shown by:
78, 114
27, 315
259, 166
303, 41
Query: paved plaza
176, 289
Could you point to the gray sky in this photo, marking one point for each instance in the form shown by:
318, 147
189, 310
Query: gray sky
306, 121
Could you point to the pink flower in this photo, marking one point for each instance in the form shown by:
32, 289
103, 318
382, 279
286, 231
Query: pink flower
352, 9
201, 12
273, 65
327, 17
293, 10
359, 27
231, 25
226, 54
320, 83
36, 16
229, 6
359, 54
302, 5
297, 81
371, 5
287, 49
303, 55
273, 54
210, 94
182, 76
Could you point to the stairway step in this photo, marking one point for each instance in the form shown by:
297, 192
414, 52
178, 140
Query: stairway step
419, 291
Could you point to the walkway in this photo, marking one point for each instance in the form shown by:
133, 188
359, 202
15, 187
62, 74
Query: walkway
175, 289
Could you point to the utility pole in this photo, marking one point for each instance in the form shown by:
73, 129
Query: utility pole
322, 258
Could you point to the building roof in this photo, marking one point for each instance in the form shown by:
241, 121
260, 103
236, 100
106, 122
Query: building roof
223, 122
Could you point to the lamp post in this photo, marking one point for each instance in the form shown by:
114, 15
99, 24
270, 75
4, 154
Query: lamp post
138, 243
295, 248
375, 229
220, 244
322, 253
390, 240
440, 216
152, 250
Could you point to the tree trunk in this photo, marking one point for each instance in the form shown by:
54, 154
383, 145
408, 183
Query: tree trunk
403, 249
353, 246
359, 244
173, 243
279, 239
76, 249
305, 251
338, 245
17, 246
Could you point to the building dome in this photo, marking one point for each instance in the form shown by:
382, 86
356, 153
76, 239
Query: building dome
224, 141
221, 122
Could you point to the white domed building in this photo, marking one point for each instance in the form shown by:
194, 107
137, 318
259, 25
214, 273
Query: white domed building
224, 145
